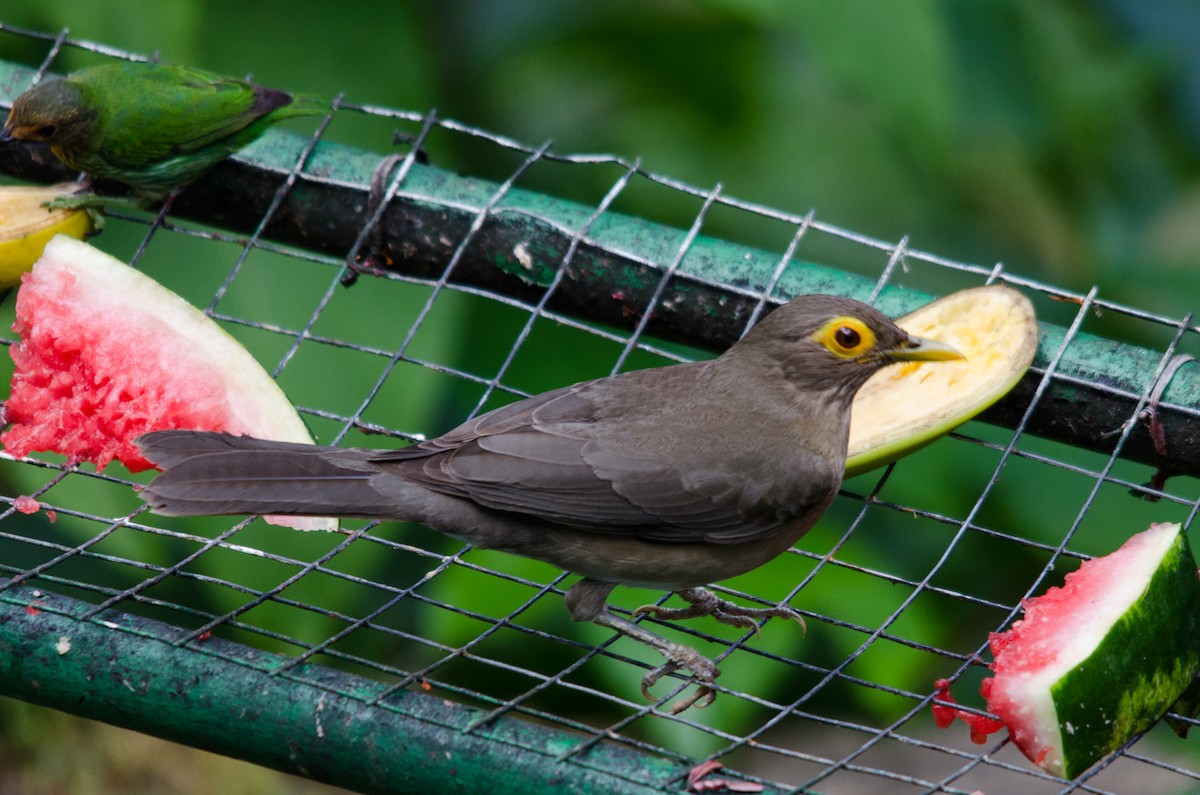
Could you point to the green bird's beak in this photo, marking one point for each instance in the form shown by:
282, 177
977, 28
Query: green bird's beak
921, 349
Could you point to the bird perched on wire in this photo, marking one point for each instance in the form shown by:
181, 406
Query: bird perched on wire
149, 126
671, 478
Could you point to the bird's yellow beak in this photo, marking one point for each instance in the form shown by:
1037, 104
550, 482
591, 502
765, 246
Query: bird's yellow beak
922, 349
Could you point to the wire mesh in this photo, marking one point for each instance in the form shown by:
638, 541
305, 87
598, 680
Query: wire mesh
900, 582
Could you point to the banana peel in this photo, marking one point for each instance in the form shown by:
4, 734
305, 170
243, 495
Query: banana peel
904, 408
26, 225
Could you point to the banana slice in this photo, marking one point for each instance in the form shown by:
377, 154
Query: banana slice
904, 408
26, 226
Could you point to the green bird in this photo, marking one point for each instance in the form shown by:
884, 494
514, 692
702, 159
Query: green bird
152, 127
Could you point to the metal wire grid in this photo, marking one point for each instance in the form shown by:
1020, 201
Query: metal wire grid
489, 631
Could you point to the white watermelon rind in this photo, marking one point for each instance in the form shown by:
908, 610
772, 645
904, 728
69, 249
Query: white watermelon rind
1135, 649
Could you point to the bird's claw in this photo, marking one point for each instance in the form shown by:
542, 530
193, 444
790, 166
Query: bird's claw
96, 216
676, 613
704, 602
701, 697
586, 602
63, 203
90, 203
704, 672
791, 615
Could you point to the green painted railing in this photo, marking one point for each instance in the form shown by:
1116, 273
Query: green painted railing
320, 723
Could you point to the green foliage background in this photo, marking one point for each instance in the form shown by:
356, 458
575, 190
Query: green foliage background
1062, 138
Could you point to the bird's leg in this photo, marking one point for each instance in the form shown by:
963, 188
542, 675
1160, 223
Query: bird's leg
703, 670
705, 603
586, 600
95, 201
94, 204
83, 199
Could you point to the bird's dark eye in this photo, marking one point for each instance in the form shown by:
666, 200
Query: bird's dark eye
847, 337
47, 131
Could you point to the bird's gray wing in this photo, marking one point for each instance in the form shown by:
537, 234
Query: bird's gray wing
541, 457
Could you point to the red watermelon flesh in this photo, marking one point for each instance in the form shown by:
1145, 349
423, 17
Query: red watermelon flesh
1096, 661
106, 354
88, 389
981, 726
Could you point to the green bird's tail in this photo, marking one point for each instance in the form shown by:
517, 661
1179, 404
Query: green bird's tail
301, 105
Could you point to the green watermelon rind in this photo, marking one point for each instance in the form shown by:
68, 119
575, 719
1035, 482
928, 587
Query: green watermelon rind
1126, 668
1145, 661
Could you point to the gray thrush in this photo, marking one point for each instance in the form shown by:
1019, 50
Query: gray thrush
667, 478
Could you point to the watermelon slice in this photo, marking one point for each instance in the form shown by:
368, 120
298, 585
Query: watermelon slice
1100, 659
107, 354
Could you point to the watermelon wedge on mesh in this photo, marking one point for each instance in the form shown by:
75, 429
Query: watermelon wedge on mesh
106, 354
1095, 662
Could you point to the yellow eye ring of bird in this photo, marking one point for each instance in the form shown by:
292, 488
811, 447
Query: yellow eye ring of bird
845, 336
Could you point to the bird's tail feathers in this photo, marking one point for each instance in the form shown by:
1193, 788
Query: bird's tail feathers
218, 474
166, 448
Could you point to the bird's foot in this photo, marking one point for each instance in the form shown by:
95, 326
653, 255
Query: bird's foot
586, 600
704, 671
95, 204
704, 602
79, 201
90, 203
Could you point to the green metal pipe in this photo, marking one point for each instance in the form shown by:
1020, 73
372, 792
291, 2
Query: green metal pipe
313, 721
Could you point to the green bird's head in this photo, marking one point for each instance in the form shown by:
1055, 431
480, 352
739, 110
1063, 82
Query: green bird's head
53, 113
